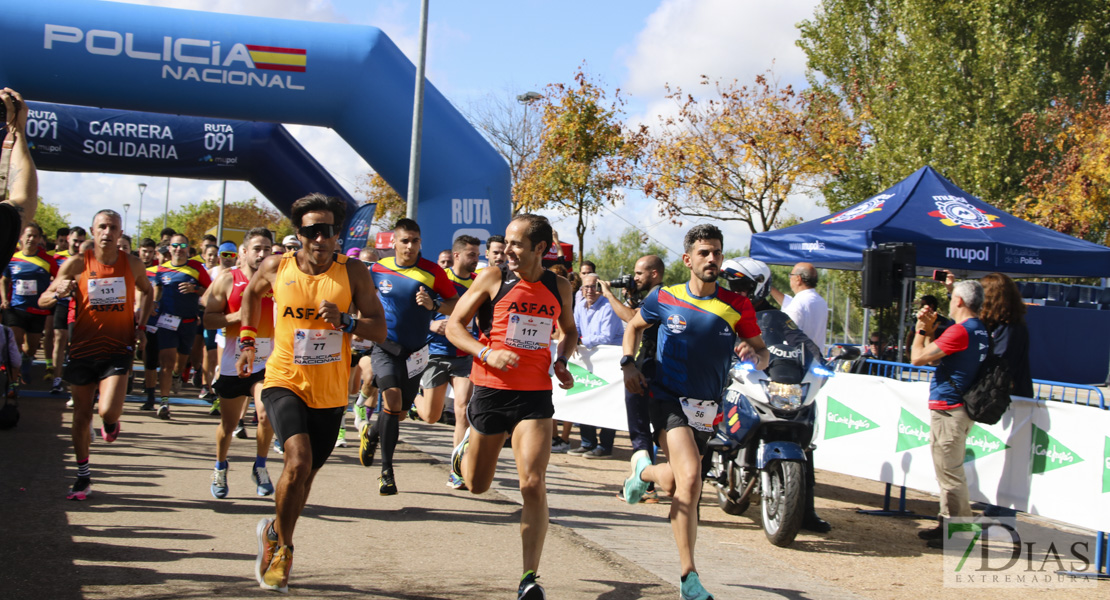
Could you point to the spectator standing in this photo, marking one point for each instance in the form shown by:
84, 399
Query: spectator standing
1004, 315
806, 307
960, 351
18, 206
597, 325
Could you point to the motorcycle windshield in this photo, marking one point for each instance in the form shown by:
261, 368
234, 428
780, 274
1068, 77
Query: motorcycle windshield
792, 352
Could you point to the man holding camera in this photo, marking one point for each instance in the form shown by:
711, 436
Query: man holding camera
17, 167
806, 307
598, 325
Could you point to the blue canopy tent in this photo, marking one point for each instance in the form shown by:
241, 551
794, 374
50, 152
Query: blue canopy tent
956, 231
950, 229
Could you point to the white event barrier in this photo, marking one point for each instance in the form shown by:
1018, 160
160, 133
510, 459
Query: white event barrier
1044, 458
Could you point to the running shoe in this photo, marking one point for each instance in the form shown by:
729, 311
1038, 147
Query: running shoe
267, 547
598, 452
176, 383
366, 446
57, 387
341, 441
197, 381
634, 487
413, 415
529, 589
455, 482
277, 447
215, 410
558, 446
49, 374
110, 437
81, 490
240, 431
692, 589
69, 403
164, 411
457, 454
387, 486
360, 417
148, 405
260, 477
219, 483
276, 576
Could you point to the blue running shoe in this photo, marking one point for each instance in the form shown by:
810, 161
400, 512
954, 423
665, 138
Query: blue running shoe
692, 589
219, 483
260, 477
457, 454
529, 589
634, 487
455, 482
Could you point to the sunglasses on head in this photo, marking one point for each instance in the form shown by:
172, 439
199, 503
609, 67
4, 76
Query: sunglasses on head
228, 254
179, 245
312, 231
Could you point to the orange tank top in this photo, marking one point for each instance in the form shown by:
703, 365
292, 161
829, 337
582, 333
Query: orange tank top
104, 309
521, 318
310, 356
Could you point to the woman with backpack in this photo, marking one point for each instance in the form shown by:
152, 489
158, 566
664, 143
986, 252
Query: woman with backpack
1003, 313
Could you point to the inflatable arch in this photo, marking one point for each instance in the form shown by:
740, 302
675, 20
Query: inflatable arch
350, 78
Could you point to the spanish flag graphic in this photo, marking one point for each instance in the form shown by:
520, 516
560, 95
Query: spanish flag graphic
273, 58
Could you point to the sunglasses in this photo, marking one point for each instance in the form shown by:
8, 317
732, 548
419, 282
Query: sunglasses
228, 254
368, 263
179, 245
313, 231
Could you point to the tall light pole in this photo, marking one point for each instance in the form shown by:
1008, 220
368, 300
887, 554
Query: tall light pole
417, 116
142, 190
166, 214
125, 207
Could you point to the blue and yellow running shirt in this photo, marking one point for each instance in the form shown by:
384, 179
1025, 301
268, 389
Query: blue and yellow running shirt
438, 344
173, 301
406, 321
152, 277
29, 277
697, 337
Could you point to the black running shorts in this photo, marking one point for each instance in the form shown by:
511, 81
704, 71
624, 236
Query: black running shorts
29, 323
182, 338
666, 414
150, 351
492, 411
390, 372
61, 316
84, 371
229, 387
290, 416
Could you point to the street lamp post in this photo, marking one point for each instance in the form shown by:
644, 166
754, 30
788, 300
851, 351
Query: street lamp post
142, 190
125, 207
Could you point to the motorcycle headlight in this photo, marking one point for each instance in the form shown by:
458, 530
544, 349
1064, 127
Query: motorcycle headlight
785, 396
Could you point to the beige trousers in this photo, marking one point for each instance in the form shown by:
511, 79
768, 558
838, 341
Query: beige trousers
948, 440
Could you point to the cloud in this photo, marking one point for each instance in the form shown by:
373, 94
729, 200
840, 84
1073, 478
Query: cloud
685, 39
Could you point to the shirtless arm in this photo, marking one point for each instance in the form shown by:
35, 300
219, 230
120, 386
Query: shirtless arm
144, 293
214, 315
370, 324
570, 334
251, 309
483, 288
64, 284
23, 176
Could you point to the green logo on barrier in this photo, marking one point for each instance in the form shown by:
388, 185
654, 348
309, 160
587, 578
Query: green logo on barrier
980, 443
584, 381
1049, 453
912, 432
841, 420
1106, 467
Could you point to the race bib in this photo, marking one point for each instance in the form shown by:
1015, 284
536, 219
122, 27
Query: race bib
528, 332
360, 345
26, 287
416, 362
169, 322
316, 346
151, 329
700, 414
107, 290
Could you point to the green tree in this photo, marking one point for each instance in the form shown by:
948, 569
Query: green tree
586, 154
391, 206
195, 218
51, 219
944, 82
613, 258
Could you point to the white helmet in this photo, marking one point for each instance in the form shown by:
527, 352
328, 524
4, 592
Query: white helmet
748, 275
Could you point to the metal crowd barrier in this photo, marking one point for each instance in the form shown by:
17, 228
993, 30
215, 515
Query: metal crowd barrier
1043, 389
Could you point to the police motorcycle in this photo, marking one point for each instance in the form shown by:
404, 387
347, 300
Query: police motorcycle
768, 416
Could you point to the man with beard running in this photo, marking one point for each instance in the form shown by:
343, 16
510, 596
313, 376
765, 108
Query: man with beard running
103, 284
305, 390
222, 311
413, 289
700, 325
518, 305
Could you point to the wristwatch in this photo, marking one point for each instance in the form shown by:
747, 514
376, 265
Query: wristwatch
922, 332
627, 359
563, 360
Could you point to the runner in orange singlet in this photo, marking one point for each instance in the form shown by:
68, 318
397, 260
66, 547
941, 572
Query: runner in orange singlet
305, 391
222, 311
518, 305
104, 283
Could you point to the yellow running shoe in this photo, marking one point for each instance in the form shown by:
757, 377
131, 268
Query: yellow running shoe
276, 576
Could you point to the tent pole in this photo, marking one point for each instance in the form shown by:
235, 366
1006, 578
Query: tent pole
902, 321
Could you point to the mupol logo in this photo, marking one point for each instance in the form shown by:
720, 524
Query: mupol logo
968, 254
808, 246
214, 64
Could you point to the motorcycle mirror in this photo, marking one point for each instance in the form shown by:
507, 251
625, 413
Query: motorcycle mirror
846, 352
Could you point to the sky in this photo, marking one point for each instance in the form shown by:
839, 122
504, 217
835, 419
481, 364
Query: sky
504, 48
